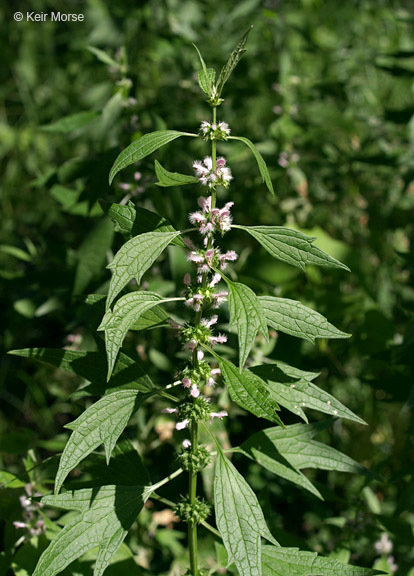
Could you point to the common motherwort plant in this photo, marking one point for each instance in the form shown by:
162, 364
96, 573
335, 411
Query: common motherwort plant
105, 511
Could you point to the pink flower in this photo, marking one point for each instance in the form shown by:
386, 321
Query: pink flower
220, 339
186, 382
195, 392
219, 415
200, 355
187, 279
170, 410
186, 443
214, 280
194, 257
215, 372
219, 298
20, 524
182, 425
209, 322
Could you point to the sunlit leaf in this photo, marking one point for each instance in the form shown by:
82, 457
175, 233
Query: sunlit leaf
101, 423
239, 518
277, 561
297, 393
291, 246
135, 258
247, 315
292, 317
249, 391
104, 516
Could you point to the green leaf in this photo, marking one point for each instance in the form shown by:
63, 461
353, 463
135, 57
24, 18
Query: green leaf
247, 315
71, 123
291, 246
206, 79
274, 447
101, 423
128, 373
206, 76
103, 57
132, 220
135, 258
92, 255
232, 62
295, 392
249, 391
105, 516
260, 162
16, 252
292, 317
293, 562
239, 518
125, 314
166, 178
142, 147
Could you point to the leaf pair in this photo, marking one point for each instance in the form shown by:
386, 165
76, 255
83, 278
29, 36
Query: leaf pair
251, 314
207, 76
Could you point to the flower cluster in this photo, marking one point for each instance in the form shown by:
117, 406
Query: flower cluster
201, 335
212, 178
211, 258
220, 131
209, 221
32, 521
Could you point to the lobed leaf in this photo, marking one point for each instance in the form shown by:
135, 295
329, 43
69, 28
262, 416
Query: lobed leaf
232, 62
293, 562
142, 147
298, 392
125, 314
260, 162
249, 391
166, 178
291, 246
128, 373
247, 315
105, 516
135, 258
292, 317
101, 423
239, 518
279, 450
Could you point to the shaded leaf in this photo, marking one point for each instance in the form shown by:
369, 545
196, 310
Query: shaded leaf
131, 220
142, 147
128, 373
166, 178
92, 255
291, 246
295, 393
135, 258
239, 518
232, 62
105, 515
247, 315
260, 162
71, 123
292, 317
101, 423
249, 391
293, 562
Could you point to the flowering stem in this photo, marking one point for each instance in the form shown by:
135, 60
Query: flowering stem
192, 488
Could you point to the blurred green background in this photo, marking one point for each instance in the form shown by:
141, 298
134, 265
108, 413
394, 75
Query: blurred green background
326, 91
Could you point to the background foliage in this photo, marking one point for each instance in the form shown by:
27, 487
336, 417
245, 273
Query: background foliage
326, 91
